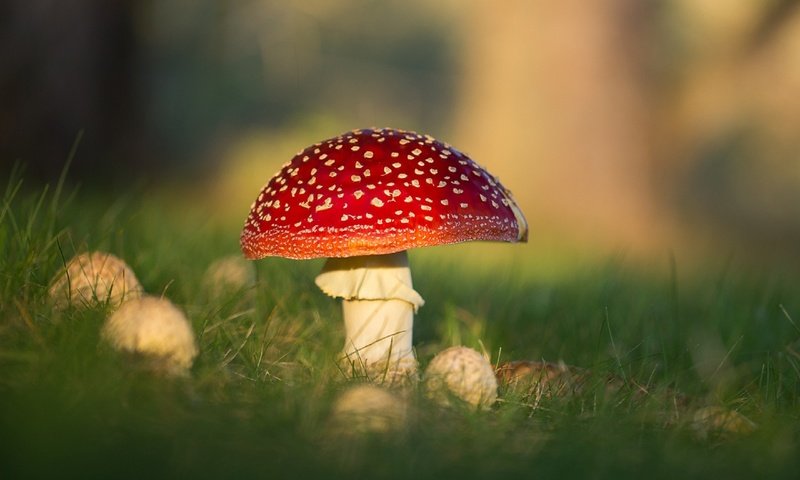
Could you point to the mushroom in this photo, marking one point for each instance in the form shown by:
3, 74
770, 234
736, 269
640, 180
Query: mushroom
361, 200
461, 373
227, 275
536, 380
721, 422
95, 278
155, 329
366, 409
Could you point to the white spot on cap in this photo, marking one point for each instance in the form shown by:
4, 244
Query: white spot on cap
358, 194
387, 170
444, 201
325, 206
355, 178
377, 202
368, 154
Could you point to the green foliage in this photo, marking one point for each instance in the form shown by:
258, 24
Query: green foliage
259, 399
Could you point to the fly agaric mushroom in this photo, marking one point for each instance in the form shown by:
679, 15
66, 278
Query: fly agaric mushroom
361, 200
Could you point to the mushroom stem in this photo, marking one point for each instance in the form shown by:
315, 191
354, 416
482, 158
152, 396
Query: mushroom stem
378, 306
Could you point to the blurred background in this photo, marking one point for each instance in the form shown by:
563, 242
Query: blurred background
646, 127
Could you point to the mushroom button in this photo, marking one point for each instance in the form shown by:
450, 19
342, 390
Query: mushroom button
362, 199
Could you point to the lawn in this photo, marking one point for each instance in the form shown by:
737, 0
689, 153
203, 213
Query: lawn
258, 401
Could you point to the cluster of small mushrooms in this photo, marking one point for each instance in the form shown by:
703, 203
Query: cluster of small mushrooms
147, 327
141, 325
360, 200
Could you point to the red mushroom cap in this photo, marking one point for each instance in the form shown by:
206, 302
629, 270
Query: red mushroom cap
372, 192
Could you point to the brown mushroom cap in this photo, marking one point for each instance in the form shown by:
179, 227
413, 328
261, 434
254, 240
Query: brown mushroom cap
371, 192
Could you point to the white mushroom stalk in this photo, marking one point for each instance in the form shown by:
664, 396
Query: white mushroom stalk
378, 305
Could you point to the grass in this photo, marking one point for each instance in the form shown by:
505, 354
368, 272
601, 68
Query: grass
259, 398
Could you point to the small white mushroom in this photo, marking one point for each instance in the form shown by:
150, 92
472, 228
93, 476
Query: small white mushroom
155, 329
368, 409
229, 274
95, 278
463, 373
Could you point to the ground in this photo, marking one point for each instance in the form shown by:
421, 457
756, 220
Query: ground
258, 401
